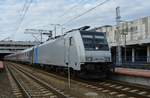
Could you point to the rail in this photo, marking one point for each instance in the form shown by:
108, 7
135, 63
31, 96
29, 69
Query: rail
112, 88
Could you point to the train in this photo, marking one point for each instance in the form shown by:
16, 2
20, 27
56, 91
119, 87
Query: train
84, 52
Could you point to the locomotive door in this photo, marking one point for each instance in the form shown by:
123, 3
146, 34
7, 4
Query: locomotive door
68, 51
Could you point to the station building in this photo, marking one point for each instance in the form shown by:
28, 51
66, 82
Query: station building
134, 39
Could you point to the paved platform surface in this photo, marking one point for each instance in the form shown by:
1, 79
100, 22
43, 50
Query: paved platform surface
5, 87
133, 72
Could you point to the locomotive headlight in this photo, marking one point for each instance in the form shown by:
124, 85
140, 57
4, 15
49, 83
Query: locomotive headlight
89, 58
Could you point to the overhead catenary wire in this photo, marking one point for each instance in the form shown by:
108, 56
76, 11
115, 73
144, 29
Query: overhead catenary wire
73, 7
69, 10
24, 6
22, 15
89, 10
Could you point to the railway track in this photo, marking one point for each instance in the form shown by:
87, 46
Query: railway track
31, 87
119, 89
111, 88
131, 89
15, 89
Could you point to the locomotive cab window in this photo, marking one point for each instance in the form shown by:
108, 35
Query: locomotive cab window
88, 42
94, 40
101, 43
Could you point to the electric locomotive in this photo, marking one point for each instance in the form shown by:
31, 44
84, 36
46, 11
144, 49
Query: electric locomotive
85, 52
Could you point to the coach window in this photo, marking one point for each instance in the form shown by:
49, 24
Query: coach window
71, 41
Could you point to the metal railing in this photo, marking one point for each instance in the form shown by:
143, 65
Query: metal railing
140, 62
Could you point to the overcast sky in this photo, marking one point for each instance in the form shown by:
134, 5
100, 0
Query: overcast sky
42, 13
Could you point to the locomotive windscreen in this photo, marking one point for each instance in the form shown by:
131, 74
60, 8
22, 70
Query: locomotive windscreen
94, 40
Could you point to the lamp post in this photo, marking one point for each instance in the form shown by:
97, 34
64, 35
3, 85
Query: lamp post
118, 49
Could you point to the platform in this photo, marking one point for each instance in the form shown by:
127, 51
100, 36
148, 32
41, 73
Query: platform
1, 65
133, 72
136, 76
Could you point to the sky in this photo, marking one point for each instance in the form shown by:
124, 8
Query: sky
42, 13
